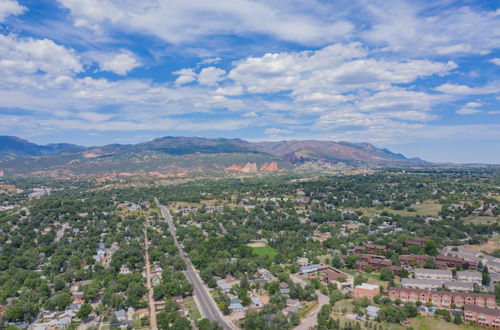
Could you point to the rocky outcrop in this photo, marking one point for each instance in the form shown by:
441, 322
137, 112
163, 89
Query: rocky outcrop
252, 168
247, 168
269, 167
234, 167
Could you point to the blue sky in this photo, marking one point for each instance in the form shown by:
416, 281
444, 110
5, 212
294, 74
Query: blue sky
418, 77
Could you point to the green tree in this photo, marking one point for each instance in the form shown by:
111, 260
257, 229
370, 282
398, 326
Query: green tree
84, 311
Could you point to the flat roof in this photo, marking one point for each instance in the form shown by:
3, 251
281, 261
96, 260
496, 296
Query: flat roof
367, 286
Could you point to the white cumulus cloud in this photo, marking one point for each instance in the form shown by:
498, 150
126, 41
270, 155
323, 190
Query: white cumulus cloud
10, 7
120, 64
210, 76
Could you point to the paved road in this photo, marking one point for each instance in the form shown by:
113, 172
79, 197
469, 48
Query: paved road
152, 307
311, 319
208, 307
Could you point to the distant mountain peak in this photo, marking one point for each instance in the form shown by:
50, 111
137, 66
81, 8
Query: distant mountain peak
170, 154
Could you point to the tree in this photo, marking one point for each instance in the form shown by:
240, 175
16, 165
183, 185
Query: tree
206, 324
497, 291
458, 318
430, 263
392, 314
386, 274
411, 310
431, 248
486, 278
324, 316
84, 311
114, 323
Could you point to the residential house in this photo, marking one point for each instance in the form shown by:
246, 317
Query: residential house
224, 285
124, 270
284, 288
293, 303
303, 261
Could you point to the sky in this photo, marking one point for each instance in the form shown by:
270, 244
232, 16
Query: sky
417, 77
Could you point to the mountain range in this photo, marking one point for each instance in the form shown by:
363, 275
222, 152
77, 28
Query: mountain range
174, 155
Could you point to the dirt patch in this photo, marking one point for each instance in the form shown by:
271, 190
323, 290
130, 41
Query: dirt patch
257, 244
489, 246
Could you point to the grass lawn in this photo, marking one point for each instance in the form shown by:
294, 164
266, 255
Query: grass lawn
428, 208
479, 220
431, 323
341, 304
192, 309
263, 251
418, 323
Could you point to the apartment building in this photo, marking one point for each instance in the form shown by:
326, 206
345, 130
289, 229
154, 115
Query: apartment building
366, 290
459, 286
483, 317
448, 262
370, 249
443, 299
413, 283
469, 277
433, 274
418, 241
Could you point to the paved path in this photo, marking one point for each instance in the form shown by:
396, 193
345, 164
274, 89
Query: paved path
310, 320
152, 308
207, 305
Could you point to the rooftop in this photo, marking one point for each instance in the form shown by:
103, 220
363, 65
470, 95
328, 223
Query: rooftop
367, 286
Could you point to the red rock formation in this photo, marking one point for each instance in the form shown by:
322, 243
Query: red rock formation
249, 168
269, 167
233, 168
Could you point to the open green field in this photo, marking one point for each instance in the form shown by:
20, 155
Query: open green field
428, 208
473, 219
431, 323
190, 306
418, 323
264, 251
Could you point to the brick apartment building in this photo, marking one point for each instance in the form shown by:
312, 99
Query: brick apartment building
411, 260
366, 290
418, 241
443, 299
483, 317
370, 249
374, 263
442, 262
446, 262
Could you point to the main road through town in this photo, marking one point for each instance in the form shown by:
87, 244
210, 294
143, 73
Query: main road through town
151, 301
207, 304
